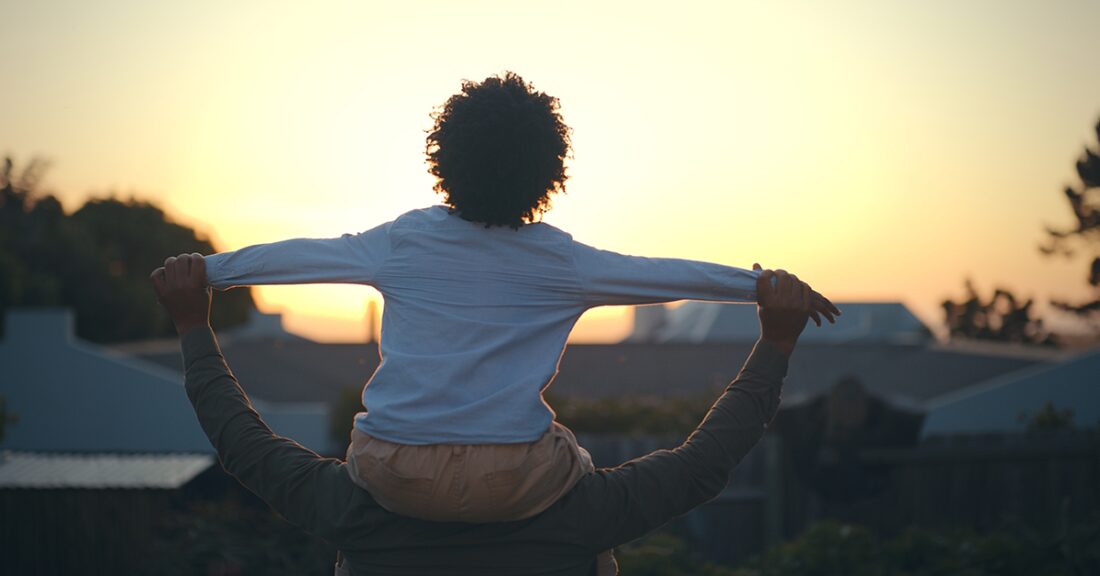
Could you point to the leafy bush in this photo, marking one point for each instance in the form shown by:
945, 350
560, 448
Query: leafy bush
1014, 550
630, 415
823, 550
664, 554
227, 537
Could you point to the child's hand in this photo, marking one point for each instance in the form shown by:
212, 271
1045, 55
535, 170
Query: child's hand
818, 304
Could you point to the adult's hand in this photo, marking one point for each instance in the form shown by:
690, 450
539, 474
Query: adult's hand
819, 305
784, 308
182, 289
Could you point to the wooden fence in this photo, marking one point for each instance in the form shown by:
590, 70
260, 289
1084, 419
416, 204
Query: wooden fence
974, 482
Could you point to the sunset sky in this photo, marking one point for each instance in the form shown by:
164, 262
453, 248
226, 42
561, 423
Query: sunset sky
881, 150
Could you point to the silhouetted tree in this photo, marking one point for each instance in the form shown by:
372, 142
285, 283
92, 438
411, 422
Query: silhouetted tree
96, 260
1084, 200
1002, 318
1048, 419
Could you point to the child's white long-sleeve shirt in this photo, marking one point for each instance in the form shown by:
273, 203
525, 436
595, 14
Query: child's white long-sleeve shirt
475, 318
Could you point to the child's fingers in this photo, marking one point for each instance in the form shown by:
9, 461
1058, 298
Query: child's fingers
816, 318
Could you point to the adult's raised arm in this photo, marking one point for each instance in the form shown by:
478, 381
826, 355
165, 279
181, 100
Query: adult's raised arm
627, 501
311, 492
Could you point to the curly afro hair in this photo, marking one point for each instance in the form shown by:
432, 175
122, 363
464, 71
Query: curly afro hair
497, 150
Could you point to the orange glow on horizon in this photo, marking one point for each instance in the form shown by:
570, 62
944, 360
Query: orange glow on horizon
882, 152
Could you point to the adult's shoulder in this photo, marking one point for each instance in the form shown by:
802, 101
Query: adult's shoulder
338, 510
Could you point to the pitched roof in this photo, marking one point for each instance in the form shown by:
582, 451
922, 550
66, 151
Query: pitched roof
91, 471
72, 396
905, 374
279, 370
699, 322
1005, 403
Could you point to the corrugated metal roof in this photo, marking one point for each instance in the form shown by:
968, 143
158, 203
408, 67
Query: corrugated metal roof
125, 405
308, 372
698, 322
90, 471
1005, 404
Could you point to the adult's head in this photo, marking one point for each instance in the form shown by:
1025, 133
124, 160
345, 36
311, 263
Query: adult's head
498, 150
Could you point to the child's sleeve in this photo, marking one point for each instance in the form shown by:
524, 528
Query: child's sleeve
609, 278
348, 259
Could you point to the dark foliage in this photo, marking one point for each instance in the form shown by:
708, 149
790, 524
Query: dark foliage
228, 537
1048, 419
498, 150
631, 415
1015, 549
96, 260
1002, 318
1084, 201
663, 553
342, 414
6, 418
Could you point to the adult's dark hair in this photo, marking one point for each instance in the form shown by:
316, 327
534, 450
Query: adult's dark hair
497, 150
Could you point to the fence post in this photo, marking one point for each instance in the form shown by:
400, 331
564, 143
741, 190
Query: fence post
773, 489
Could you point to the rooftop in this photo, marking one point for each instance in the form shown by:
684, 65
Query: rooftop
302, 371
98, 471
1006, 403
56, 383
697, 322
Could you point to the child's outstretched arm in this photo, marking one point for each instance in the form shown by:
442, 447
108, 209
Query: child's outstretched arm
348, 259
610, 278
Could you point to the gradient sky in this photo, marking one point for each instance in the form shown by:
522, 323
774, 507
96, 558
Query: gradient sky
881, 150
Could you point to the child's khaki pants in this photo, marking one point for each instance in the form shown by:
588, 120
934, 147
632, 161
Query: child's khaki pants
471, 482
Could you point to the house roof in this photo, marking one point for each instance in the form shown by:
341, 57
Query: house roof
72, 396
262, 325
91, 471
280, 370
905, 374
1006, 403
698, 322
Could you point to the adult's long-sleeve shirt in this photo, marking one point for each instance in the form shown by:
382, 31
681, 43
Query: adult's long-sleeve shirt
606, 508
475, 319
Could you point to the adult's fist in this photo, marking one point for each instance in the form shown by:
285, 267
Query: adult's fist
785, 306
182, 289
